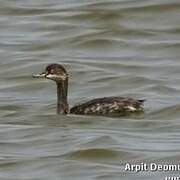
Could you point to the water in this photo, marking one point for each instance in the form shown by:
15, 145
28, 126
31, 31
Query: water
124, 48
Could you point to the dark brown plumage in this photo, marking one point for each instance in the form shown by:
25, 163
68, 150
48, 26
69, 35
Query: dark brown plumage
100, 106
109, 105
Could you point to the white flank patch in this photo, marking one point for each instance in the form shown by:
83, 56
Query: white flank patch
131, 108
98, 108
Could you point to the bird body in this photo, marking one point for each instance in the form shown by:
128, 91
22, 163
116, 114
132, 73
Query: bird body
109, 105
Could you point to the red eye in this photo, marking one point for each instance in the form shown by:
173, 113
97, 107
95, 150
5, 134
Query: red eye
50, 70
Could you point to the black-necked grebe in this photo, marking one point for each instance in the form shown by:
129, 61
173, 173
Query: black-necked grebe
99, 106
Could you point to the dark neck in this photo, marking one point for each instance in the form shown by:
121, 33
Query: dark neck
62, 90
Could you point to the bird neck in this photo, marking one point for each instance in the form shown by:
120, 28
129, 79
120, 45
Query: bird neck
62, 103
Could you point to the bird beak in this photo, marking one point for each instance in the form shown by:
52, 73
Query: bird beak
42, 75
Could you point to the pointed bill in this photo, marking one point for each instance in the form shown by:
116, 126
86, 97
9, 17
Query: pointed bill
42, 75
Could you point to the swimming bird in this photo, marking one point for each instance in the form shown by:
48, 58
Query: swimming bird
109, 106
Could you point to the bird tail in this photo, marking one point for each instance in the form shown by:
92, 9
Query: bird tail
141, 100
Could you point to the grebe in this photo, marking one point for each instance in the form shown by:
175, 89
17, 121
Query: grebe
100, 106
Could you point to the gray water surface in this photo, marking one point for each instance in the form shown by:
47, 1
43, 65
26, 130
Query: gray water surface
117, 47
